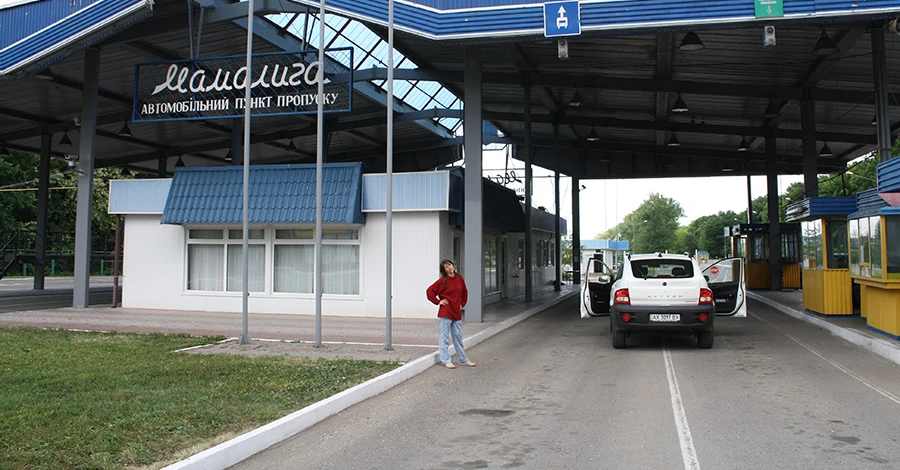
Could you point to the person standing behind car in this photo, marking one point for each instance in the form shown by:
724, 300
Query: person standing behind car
450, 294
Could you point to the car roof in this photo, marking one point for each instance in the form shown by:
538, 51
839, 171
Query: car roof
660, 255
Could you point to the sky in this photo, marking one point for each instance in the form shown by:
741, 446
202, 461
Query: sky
606, 202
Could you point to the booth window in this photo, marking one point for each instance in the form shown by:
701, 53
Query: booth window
789, 247
854, 247
875, 245
215, 261
812, 245
758, 251
865, 254
836, 241
892, 232
294, 261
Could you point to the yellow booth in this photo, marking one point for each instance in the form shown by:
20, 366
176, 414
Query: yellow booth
751, 242
827, 288
875, 251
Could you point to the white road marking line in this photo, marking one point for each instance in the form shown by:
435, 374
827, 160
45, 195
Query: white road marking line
688, 453
890, 396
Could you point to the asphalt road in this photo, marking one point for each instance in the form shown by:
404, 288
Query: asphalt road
551, 392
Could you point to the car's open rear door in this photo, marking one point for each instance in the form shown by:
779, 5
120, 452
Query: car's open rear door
726, 280
595, 289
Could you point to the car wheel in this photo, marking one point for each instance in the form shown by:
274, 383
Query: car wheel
618, 338
705, 339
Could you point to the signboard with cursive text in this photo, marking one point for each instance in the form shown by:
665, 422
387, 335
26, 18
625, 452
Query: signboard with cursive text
214, 88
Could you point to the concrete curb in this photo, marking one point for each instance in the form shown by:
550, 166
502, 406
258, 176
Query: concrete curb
878, 346
235, 450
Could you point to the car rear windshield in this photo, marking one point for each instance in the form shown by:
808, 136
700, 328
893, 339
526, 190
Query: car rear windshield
662, 268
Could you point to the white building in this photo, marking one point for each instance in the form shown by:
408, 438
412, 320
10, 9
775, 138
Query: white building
183, 240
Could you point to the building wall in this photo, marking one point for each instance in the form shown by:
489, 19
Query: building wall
154, 270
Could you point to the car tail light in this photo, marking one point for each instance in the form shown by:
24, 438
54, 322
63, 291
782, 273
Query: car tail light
704, 317
706, 296
622, 297
626, 317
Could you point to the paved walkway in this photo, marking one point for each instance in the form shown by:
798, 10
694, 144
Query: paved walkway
344, 337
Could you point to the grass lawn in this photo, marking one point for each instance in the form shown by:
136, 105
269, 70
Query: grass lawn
108, 400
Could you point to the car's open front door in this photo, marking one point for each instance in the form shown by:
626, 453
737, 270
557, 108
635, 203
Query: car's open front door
595, 289
726, 280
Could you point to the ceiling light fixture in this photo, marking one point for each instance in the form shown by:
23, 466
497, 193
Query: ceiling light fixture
727, 168
65, 139
125, 171
826, 151
4, 152
825, 45
577, 100
744, 146
691, 42
291, 147
673, 141
125, 131
771, 111
592, 136
44, 74
228, 156
875, 120
179, 163
679, 106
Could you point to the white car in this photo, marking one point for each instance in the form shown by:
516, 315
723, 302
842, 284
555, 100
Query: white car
665, 293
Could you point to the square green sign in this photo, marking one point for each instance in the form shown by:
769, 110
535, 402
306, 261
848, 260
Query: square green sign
769, 8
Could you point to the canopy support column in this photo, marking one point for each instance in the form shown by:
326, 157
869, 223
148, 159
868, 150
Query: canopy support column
808, 131
40, 239
81, 288
576, 231
472, 142
879, 74
774, 222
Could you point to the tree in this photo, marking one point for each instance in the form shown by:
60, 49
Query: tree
653, 224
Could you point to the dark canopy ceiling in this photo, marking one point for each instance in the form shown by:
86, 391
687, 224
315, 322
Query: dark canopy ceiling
628, 84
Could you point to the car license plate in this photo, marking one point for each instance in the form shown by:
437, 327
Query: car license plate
665, 317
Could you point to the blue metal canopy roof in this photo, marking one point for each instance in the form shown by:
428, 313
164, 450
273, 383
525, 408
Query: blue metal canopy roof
284, 194
816, 207
37, 33
460, 19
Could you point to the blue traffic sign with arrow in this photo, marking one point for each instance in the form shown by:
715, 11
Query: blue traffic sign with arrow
562, 19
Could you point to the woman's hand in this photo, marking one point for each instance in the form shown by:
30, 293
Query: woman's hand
444, 302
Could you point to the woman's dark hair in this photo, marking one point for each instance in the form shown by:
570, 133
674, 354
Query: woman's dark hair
441, 268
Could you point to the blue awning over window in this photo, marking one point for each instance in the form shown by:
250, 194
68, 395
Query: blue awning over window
279, 194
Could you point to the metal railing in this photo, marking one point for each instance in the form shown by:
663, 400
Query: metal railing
21, 248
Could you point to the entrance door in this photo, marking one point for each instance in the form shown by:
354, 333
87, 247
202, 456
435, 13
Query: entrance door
729, 287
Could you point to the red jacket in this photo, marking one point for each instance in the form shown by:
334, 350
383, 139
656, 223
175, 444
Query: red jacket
453, 289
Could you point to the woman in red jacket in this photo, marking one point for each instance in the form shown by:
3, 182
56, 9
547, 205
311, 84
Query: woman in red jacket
450, 294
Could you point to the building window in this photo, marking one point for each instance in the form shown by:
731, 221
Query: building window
520, 261
216, 262
294, 256
865, 257
491, 260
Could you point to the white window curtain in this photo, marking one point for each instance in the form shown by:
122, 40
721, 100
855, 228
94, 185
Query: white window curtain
206, 264
256, 258
340, 269
294, 268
